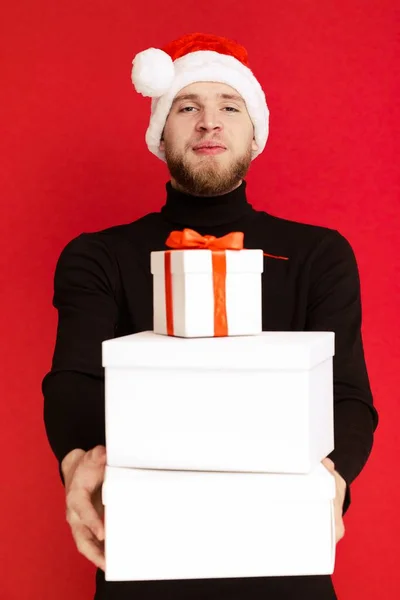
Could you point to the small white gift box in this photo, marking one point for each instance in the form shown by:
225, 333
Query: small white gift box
254, 403
193, 525
205, 293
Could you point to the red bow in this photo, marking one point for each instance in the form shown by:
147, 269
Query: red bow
188, 238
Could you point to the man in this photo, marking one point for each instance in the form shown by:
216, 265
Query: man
209, 120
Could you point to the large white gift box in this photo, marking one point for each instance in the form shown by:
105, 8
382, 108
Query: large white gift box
193, 525
205, 293
254, 403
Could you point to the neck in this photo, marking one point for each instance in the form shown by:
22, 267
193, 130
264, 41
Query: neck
180, 188
186, 210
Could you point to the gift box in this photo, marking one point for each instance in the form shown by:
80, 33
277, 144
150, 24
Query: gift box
208, 290
193, 525
254, 403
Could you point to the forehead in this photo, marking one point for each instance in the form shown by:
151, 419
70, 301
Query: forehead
207, 91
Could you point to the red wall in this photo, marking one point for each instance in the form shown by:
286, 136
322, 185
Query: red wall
73, 158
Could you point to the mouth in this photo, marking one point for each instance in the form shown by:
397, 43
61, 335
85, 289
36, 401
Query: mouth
209, 148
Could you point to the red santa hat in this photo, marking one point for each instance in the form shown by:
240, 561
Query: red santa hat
162, 73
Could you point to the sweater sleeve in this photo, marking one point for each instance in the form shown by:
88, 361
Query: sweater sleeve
85, 282
334, 304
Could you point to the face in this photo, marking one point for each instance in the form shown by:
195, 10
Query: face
208, 139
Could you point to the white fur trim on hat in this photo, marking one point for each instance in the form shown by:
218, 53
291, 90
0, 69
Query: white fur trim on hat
206, 65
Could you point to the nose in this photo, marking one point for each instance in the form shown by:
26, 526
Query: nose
209, 120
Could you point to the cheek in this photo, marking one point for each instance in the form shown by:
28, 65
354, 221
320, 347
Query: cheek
241, 138
176, 134
239, 128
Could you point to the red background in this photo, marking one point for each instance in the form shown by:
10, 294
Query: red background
73, 159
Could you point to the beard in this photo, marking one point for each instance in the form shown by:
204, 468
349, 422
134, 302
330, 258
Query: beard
209, 177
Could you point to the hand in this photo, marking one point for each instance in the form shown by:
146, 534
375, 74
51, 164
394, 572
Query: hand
83, 475
339, 499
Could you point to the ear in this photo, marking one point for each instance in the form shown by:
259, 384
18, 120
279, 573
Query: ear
162, 145
254, 146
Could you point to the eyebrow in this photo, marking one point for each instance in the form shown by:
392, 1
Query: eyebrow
197, 97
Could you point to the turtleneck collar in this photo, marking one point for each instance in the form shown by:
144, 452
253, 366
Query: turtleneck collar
198, 211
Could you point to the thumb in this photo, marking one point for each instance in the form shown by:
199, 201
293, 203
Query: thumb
329, 464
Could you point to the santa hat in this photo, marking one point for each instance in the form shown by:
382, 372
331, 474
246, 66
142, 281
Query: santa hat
162, 73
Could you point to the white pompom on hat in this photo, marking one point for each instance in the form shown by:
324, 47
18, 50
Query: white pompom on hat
161, 74
153, 72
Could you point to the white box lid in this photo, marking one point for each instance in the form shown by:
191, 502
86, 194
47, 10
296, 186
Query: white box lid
283, 350
319, 484
200, 261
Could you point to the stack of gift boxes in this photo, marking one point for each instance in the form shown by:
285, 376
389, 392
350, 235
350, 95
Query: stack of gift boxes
215, 430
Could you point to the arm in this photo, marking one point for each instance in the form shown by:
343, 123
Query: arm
85, 291
334, 304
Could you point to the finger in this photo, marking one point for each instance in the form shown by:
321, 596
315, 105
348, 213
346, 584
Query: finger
329, 464
79, 502
340, 531
89, 474
339, 523
96, 455
88, 546
97, 501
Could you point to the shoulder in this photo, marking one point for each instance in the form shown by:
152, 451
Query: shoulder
103, 244
307, 241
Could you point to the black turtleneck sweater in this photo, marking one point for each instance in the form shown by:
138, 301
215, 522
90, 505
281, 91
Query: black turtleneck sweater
103, 289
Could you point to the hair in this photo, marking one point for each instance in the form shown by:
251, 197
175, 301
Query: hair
210, 180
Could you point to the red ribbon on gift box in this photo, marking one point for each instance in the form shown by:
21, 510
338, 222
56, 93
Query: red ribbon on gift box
188, 239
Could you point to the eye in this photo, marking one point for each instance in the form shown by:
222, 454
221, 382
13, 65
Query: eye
231, 108
185, 108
